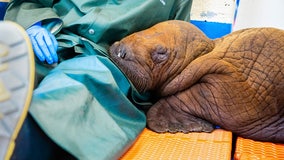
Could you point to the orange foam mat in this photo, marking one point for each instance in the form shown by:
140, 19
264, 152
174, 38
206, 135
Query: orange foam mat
247, 149
203, 146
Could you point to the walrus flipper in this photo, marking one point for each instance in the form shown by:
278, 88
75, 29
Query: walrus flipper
165, 116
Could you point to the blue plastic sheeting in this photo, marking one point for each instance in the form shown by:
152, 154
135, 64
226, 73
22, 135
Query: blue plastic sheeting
213, 29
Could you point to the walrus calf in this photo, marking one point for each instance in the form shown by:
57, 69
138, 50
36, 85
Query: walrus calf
235, 82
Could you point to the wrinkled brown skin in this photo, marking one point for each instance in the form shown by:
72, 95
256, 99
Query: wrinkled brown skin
236, 82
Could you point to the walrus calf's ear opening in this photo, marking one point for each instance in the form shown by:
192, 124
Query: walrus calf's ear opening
160, 54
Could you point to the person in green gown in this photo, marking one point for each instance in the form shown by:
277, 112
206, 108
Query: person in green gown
82, 101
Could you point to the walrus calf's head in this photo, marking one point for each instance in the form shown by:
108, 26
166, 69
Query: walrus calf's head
153, 57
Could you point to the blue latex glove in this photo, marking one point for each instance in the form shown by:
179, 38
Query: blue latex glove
44, 43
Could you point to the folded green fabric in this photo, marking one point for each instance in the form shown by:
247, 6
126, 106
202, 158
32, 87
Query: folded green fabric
86, 102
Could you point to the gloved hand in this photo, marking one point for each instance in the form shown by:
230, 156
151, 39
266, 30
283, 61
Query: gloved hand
44, 43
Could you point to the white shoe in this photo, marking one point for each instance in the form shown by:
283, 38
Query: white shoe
17, 71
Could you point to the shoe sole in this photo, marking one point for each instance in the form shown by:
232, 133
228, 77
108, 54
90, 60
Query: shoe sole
17, 71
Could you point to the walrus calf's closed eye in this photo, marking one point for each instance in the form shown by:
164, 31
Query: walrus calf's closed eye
235, 82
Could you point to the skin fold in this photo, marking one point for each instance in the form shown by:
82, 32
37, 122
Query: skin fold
235, 82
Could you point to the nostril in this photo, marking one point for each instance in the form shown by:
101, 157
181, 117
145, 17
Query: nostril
121, 52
